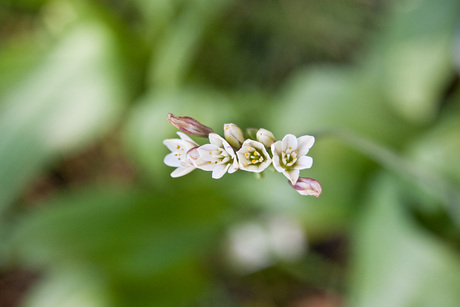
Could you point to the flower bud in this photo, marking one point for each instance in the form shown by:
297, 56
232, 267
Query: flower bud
234, 135
189, 125
307, 186
265, 137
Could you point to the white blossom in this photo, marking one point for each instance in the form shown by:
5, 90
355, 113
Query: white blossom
289, 155
253, 157
218, 157
178, 156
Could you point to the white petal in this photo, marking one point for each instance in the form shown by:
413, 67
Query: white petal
228, 148
292, 175
220, 170
173, 143
207, 148
234, 167
304, 144
172, 160
216, 139
251, 168
266, 163
181, 171
289, 140
261, 147
277, 165
277, 148
304, 162
185, 137
204, 165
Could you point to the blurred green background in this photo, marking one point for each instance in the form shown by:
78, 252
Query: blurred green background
89, 215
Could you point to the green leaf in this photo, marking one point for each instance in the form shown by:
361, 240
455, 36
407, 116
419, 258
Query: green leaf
179, 41
415, 56
425, 180
395, 262
331, 98
68, 100
437, 150
146, 246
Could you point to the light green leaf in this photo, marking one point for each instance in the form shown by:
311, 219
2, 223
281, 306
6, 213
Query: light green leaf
146, 246
332, 98
67, 101
179, 41
395, 262
415, 56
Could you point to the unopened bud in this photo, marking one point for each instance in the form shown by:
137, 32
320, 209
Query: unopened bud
265, 137
189, 125
234, 135
307, 186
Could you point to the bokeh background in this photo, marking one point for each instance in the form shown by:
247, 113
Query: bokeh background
89, 216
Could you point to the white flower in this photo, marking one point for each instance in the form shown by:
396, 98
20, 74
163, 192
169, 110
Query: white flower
217, 157
289, 155
178, 156
265, 137
253, 156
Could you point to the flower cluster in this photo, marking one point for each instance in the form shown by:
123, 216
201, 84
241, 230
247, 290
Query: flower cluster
253, 154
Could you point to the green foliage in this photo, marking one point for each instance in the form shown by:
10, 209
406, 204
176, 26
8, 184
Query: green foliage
376, 85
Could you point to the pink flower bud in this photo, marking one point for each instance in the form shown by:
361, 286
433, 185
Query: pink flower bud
307, 186
189, 125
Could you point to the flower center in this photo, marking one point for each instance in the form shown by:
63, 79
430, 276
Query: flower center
219, 156
253, 156
289, 157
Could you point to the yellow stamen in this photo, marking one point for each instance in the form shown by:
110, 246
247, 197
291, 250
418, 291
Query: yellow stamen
254, 161
178, 146
246, 155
